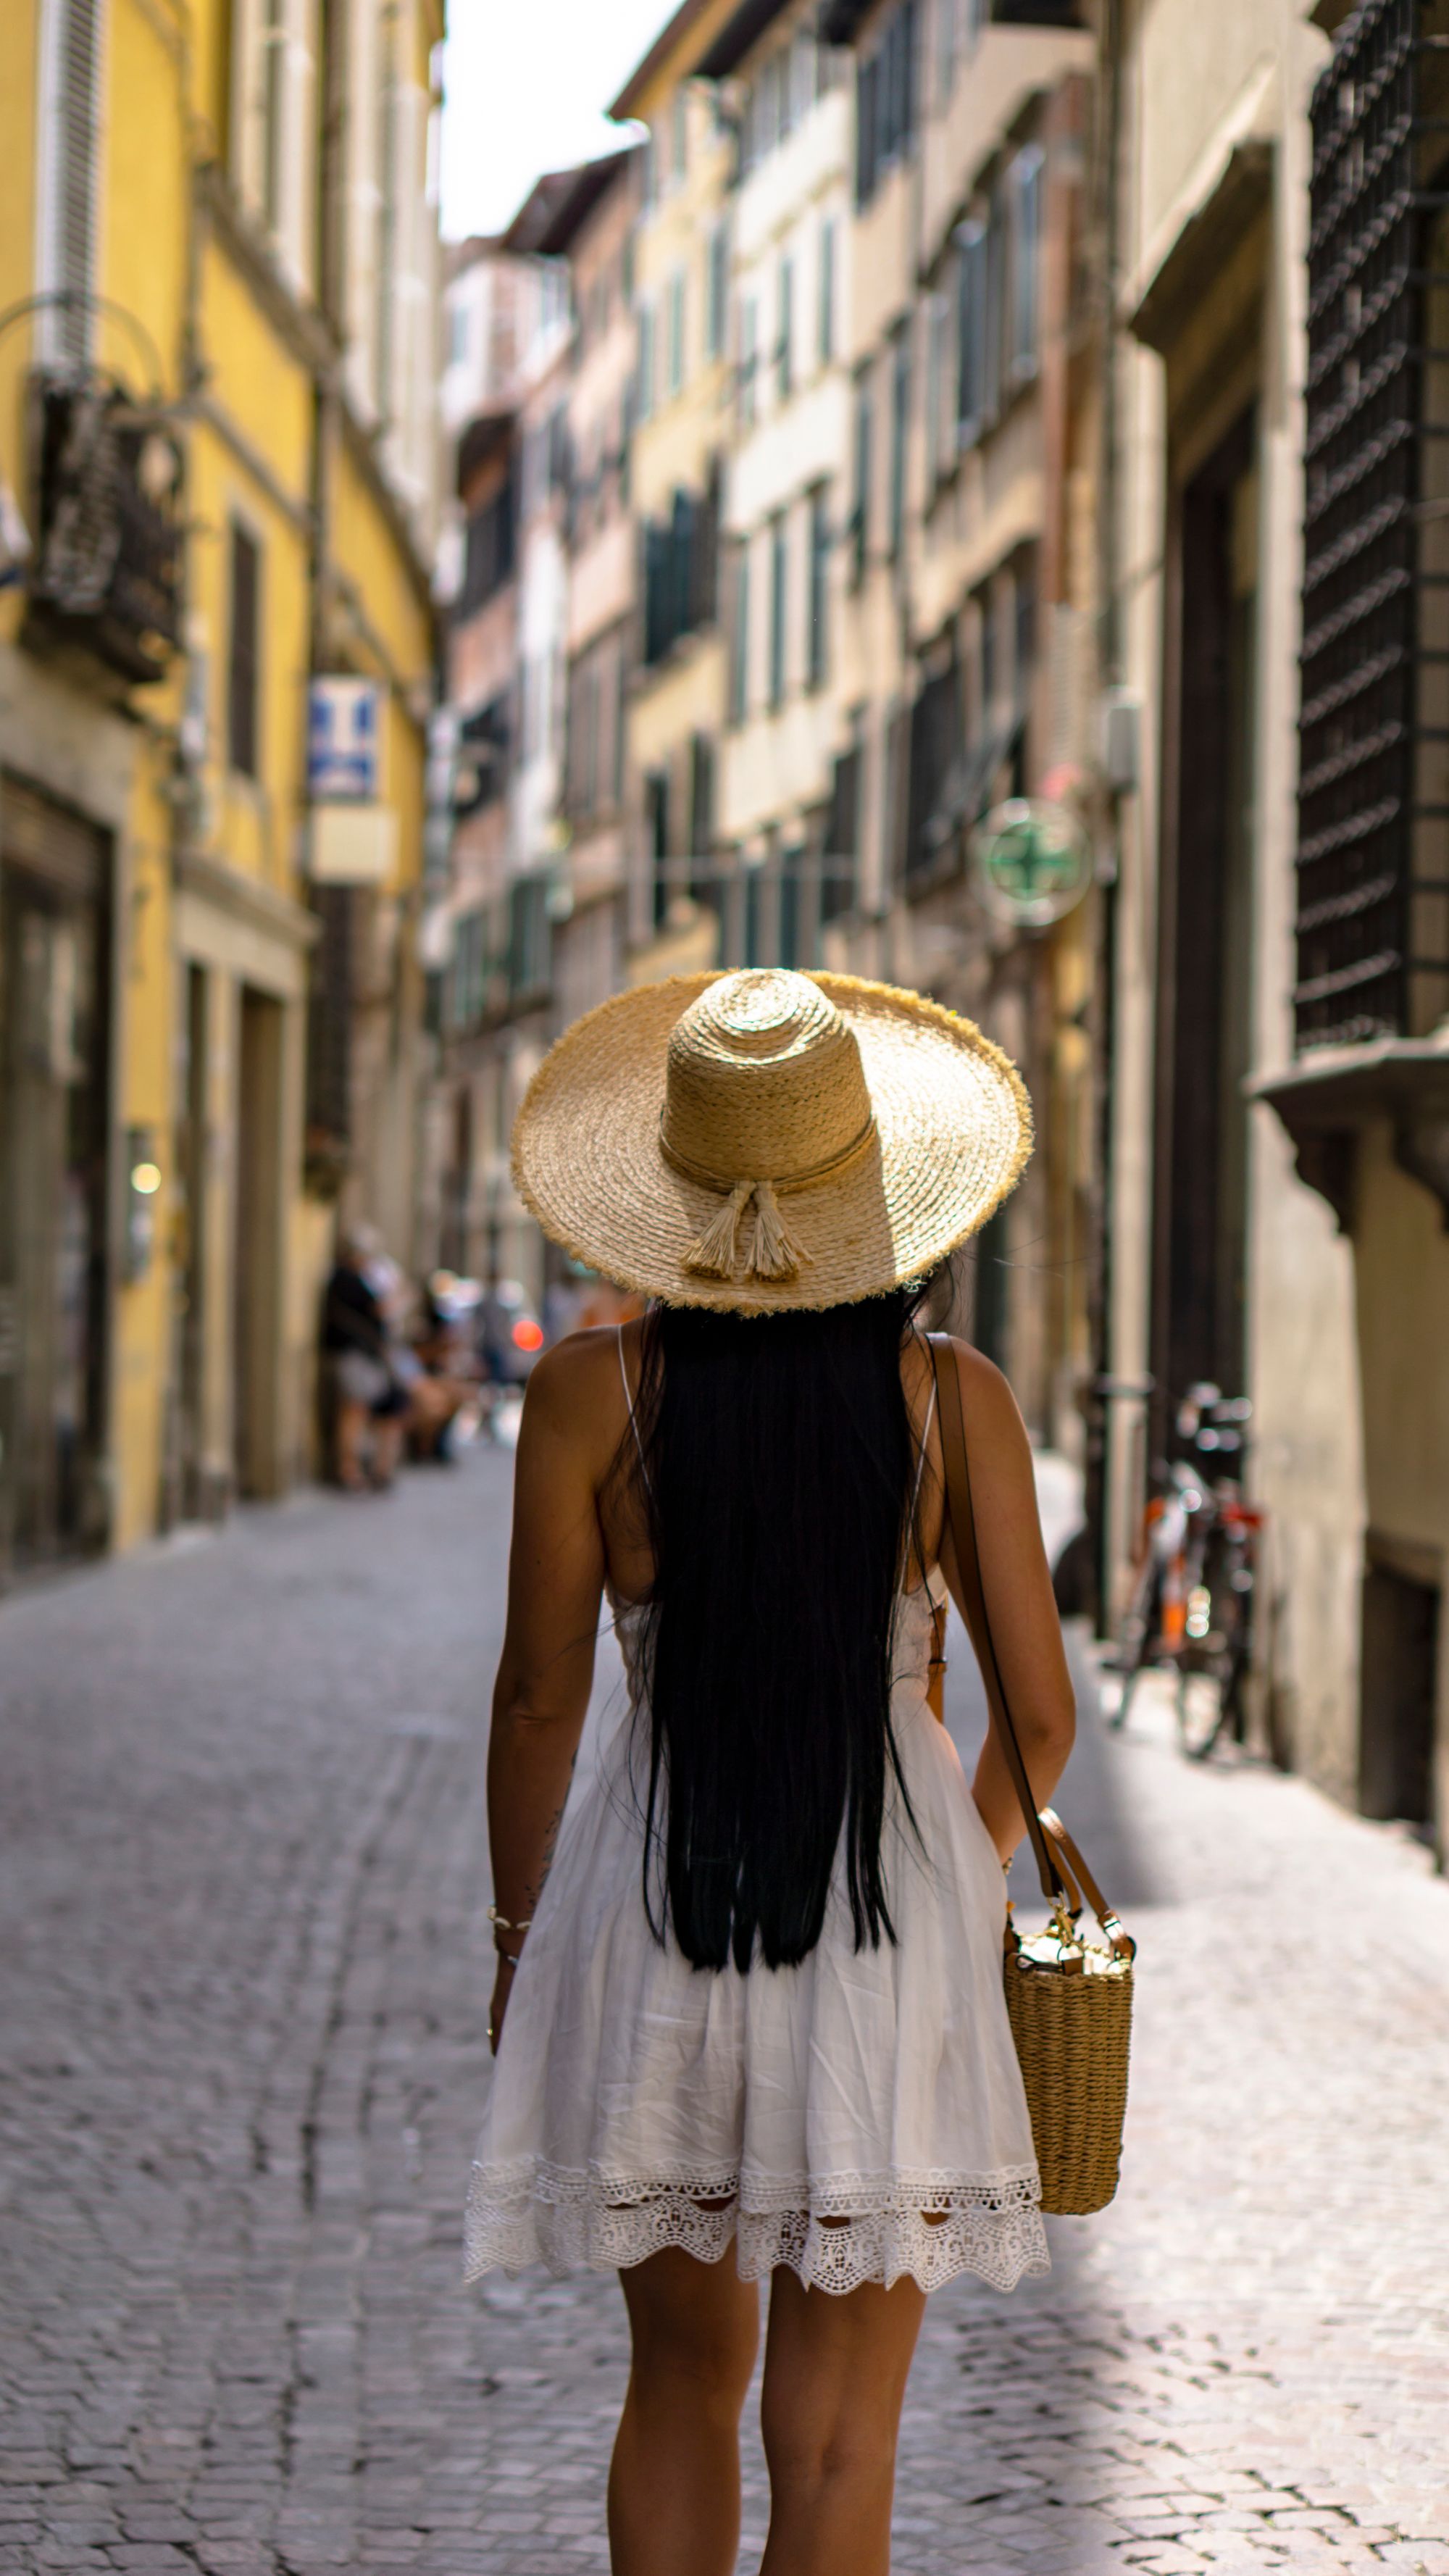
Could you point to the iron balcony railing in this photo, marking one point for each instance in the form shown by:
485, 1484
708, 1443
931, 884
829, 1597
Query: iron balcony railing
108, 557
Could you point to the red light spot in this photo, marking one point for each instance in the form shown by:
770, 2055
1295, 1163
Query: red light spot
527, 1336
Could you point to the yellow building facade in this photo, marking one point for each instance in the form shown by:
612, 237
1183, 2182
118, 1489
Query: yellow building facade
217, 301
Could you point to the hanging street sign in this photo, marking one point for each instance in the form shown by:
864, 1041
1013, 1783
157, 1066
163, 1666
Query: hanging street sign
1032, 861
344, 736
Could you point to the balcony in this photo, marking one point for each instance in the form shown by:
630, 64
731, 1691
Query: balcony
108, 549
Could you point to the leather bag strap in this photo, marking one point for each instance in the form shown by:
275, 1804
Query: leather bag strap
1055, 1885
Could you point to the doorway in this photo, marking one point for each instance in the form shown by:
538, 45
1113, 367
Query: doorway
194, 1494
54, 945
1400, 1661
257, 1249
1204, 961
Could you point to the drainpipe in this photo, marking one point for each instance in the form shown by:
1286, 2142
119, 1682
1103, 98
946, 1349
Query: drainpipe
1098, 1464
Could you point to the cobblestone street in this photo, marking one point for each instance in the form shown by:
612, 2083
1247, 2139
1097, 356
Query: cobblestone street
245, 1976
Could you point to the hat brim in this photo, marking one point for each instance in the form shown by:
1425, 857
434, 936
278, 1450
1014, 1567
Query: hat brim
953, 1134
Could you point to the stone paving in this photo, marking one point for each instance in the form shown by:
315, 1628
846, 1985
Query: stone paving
244, 1978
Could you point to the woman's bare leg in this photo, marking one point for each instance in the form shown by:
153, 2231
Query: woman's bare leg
674, 2486
835, 2377
351, 1431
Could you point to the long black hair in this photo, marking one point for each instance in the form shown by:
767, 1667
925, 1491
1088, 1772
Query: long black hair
776, 1480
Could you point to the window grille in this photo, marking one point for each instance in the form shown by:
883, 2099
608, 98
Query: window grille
1373, 796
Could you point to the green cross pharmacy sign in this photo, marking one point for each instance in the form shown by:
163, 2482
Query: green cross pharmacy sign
1033, 861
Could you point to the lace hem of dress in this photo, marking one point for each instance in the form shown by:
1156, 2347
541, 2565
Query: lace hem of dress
836, 2232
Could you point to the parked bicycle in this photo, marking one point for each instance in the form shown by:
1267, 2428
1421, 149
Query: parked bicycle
1192, 1603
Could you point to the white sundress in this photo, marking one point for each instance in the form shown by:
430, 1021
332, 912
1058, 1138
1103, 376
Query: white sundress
858, 2117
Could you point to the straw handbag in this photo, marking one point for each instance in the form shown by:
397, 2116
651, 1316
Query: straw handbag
1069, 2000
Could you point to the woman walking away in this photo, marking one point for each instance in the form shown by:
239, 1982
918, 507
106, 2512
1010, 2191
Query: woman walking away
749, 2013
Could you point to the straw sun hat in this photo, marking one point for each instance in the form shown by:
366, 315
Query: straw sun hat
762, 1140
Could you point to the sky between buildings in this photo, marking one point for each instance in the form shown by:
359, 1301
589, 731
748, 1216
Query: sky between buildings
527, 82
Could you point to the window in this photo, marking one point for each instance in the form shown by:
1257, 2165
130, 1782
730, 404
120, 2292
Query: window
489, 546
1025, 640
1024, 193
656, 818
242, 675
680, 568
457, 335
779, 586
817, 637
772, 105
947, 17
274, 68
679, 139
885, 118
674, 360
528, 937
842, 833
995, 306
716, 291
935, 741
900, 433
862, 466
644, 398
825, 305
583, 751
749, 361
970, 333
936, 319
272, 125
701, 812
621, 723
649, 171
785, 333
740, 634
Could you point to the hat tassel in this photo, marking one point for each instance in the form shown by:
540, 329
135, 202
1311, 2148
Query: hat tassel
773, 1252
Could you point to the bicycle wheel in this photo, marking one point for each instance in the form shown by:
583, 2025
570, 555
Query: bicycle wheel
1202, 1707
1212, 1659
1139, 1626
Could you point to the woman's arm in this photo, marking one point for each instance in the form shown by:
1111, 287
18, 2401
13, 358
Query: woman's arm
555, 1581
1017, 1586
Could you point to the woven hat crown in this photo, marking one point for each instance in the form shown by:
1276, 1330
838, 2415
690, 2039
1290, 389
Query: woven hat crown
764, 1081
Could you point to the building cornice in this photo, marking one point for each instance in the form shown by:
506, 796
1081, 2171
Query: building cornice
301, 325
246, 899
1332, 1094
672, 51
739, 34
361, 445
210, 414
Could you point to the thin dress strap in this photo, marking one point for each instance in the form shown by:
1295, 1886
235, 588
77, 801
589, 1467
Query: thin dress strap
925, 1444
629, 1400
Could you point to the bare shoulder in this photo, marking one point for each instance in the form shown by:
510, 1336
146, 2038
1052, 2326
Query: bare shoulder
991, 1412
575, 1387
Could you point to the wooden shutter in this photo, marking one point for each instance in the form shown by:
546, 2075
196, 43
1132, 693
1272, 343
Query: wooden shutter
70, 178
362, 213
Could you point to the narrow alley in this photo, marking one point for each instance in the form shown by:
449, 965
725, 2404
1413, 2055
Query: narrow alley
245, 1979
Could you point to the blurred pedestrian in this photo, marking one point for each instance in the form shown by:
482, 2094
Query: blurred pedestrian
368, 1405
750, 1998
